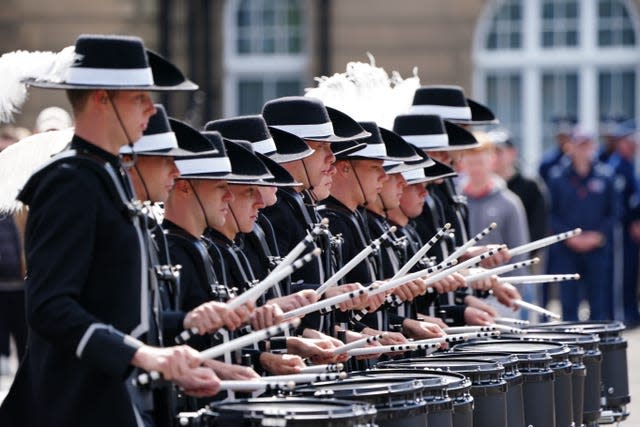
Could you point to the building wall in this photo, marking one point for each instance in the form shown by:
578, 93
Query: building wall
434, 35
52, 25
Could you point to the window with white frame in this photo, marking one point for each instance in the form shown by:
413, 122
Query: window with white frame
265, 52
568, 57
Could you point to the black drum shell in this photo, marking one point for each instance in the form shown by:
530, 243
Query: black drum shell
455, 411
614, 368
488, 384
295, 412
399, 400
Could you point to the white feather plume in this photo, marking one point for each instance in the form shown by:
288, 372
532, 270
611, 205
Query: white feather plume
17, 66
20, 160
367, 92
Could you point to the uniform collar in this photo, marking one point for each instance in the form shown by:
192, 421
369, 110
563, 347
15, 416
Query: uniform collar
81, 144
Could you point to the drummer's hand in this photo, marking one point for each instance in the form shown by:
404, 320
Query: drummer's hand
354, 336
199, 382
319, 351
449, 283
171, 362
227, 371
495, 260
506, 293
213, 315
356, 303
281, 364
476, 302
374, 302
431, 319
390, 338
421, 330
410, 290
296, 300
476, 317
266, 316
483, 284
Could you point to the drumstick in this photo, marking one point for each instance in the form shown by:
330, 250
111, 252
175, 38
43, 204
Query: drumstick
301, 246
545, 241
462, 249
511, 321
465, 329
382, 349
418, 255
308, 378
500, 270
213, 352
539, 278
509, 329
254, 385
358, 343
528, 306
458, 337
316, 369
255, 292
333, 280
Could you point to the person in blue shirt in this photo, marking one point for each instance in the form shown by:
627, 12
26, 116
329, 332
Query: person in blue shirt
563, 126
583, 195
622, 162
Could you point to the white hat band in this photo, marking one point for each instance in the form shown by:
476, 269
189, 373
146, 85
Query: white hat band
308, 131
155, 142
444, 111
370, 150
204, 165
414, 174
265, 146
110, 76
428, 141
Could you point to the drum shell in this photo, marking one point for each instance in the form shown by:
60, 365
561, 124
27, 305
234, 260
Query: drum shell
488, 385
539, 386
513, 377
287, 411
455, 411
398, 401
614, 368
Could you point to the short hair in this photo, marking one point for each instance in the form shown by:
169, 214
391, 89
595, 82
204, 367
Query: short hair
485, 142
78, 98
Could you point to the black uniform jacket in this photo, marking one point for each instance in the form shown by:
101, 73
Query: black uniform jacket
83, 294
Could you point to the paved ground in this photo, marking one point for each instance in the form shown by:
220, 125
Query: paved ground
632, 336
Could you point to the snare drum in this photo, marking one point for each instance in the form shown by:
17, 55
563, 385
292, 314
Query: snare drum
281, 411
398, 401
513, 377
614, 392
488, 388
547, 378
586, 358
453, 394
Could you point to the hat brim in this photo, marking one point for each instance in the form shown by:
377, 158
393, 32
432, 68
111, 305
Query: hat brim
480, 115
408, 166
173, 152
281, 177
285, 158
459, 138
167, 78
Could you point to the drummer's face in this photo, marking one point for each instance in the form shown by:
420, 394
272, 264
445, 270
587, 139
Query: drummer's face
412, 200
392, 191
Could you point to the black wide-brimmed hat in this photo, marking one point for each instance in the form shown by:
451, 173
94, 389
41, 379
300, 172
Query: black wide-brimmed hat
450, 103
281, 176
209, 159
115, 63
282, 148
432, 173
346, 127
374, 148
304, 117
157, 140
246, 167
429, 132
413, 158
